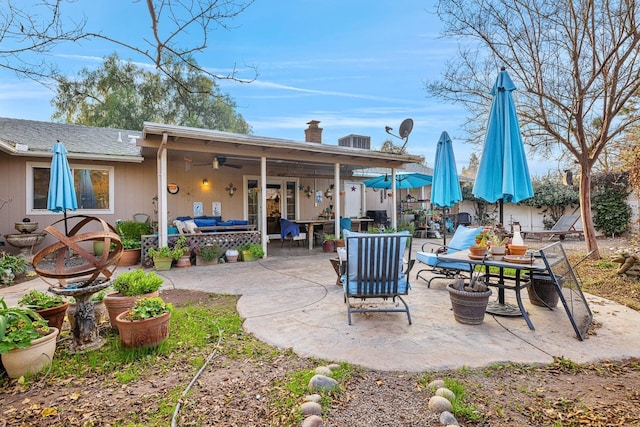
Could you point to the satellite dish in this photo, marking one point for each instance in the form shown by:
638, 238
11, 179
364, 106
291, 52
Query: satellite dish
405, 128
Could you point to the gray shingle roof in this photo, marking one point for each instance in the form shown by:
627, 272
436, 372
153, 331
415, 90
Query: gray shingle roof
40, 137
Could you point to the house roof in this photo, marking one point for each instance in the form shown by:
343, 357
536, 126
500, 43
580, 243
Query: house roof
34, 138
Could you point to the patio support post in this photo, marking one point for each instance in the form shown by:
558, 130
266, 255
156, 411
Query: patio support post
262, 216
161, 166
394, 200
336, 195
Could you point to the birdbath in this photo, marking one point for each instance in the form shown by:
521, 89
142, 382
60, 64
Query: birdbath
85, 331
26, 240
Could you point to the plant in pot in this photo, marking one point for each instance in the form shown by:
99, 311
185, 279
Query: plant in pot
469, 300
10, 267
328, 243
165, 255
208, 254
146, 324
482, 240
51, 307
498, 246
251, 251
129, 287
131, 233
27, 342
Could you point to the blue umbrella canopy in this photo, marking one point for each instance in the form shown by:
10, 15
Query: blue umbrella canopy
445, 189
404, 180
503, 173
85, 189
62, 195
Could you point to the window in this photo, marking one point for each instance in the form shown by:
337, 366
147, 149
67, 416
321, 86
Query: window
93, 185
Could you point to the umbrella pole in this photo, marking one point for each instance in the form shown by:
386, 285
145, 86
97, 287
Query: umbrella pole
444, 227
501, 212
66, 230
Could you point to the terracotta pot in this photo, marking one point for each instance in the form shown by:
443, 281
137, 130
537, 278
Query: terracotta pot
329, 246
35, 358
143, 333
54, 315
468, 307
518, 250
477, 250
183, 261
129, 257
116, 303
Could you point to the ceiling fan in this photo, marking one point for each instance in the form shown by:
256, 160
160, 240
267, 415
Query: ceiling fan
219, 161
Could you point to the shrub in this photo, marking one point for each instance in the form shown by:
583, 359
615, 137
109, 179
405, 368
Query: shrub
137, 282
38, 300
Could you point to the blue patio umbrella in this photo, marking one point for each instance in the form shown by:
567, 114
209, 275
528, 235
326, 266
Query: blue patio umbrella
62, 195
503, 173
403, 181
445, 189
85, 190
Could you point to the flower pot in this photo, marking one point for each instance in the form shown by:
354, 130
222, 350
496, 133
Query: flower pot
183, 261
468, 307
98, 248
498, 252
143, 333
33, 359
99, 312
129, 257
162, 263
542, 291
247, 256
54, 315
328, 246
201, 261
478, 250
231, 255
116, 303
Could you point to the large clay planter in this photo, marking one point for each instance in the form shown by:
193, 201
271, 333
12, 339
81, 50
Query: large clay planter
183, 261
129, 257
162, 263
468, 307
143, 333
117, 303
329, 246
54, 315
201, 261
247, 256
99, 311
33, 359
542, 291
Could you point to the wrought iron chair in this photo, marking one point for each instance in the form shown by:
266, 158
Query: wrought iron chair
461, 240
375, 268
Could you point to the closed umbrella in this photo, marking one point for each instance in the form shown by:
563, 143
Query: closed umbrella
503, 173
403, 180
445, 189
62, 195
85, 187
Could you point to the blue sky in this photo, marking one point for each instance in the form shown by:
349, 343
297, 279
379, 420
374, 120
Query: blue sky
354, 65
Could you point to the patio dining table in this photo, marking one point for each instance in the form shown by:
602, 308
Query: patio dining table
532, 263
311, 223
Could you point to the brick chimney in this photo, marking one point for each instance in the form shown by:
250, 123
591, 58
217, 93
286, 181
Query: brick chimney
313, 133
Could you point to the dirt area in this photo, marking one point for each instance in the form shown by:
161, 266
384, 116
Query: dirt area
246, 392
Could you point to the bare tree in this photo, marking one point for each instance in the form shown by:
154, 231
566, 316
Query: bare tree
30, 32
575, 63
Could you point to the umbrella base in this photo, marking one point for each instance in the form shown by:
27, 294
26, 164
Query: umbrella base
504, 309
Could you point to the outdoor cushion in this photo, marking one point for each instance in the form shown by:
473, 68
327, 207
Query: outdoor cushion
203, 222
463, 238
431, 259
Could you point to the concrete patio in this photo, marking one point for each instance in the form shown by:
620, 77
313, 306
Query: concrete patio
291, 300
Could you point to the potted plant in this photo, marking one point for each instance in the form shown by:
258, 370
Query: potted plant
251, 251
208, 254
51, 307
131, 233
146, 324
328, 243
10, 267
129, 287
165, 255
498, 246
469, 301
27, 342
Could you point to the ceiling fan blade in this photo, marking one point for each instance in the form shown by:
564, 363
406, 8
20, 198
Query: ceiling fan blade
233, 166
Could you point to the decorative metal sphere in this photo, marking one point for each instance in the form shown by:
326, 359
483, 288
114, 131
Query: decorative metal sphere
67, 258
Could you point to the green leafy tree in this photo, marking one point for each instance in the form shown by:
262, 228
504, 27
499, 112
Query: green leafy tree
471, 169
612, 212
575, 64
553, 198
122, 95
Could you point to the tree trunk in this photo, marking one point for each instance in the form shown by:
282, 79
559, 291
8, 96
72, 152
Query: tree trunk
585, 211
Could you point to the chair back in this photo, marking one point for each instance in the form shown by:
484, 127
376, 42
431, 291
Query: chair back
345, 224
288, 227
464, 218
375, 264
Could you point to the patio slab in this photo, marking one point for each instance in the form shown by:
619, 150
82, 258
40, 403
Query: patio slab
291, 301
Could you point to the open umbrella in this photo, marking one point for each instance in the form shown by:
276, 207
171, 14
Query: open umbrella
503, 173
403, 180
445, 189
62, 195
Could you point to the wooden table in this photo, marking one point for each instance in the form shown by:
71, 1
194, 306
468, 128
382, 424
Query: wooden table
500, 307
311, 223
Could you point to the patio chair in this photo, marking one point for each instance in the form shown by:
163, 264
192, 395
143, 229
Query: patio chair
375, 269
461, 240
566, 225
291, 231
